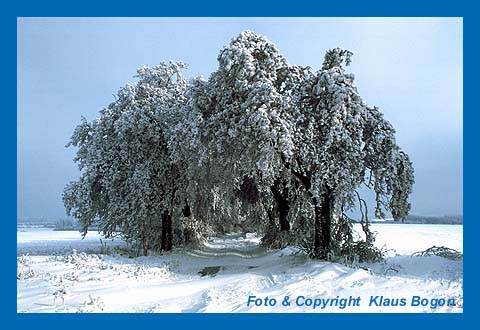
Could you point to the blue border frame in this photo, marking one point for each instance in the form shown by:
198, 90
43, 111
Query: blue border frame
123, 8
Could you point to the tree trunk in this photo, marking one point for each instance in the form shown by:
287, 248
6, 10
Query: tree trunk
143, 240
167, 233
187, 233
270, 235
145, 249
144, 245
280, 194
323, 223
317, 229
186, 209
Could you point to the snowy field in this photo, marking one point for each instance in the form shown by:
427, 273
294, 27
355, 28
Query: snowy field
59, 272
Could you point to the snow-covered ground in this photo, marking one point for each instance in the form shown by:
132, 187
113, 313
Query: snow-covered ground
59, 272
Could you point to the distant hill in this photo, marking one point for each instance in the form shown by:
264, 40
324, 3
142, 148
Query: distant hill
58, 224
447, 219
417, 219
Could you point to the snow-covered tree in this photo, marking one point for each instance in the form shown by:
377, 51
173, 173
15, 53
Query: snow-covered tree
246, 125
130, 182
342, 143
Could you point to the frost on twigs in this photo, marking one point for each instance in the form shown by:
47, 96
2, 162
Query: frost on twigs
345, 248
92, 304
23, 268
440, 251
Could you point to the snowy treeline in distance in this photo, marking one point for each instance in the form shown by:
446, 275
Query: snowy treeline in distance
72, 224
262, 145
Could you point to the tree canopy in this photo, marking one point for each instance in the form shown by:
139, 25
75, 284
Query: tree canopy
260, 145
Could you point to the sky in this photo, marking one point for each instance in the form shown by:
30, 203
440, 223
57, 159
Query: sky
411, 68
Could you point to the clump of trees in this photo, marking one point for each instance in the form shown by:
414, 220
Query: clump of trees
261, 145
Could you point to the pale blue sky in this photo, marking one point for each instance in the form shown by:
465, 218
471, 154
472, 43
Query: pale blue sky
411, 68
